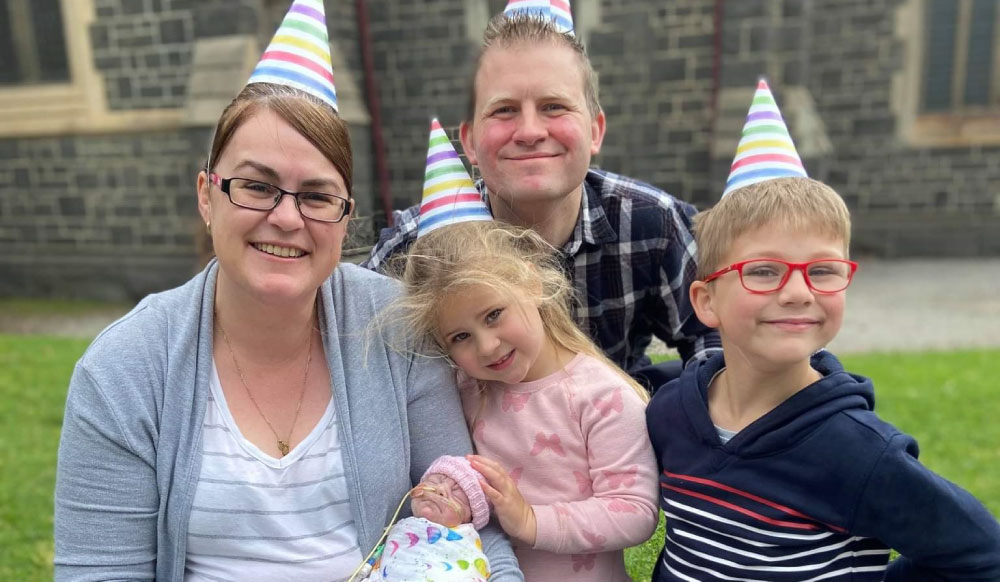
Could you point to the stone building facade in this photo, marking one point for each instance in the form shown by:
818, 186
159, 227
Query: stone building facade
97, 168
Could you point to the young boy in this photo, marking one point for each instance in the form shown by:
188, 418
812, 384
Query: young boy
774, 465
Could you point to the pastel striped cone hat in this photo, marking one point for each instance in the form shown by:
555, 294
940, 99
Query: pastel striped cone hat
450, 196
766, 150
299, 53
558, 10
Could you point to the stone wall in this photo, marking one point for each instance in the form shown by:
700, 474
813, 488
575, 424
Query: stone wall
422, 54
98, 216
114, 215
906, 200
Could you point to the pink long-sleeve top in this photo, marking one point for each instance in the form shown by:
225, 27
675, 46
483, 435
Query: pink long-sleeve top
575, 443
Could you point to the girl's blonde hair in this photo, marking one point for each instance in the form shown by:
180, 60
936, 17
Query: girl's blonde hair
510, 260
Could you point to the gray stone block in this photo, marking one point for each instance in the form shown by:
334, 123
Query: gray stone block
8, 149
606, 43
224, 20
742, 9
99, 38
108, 62
672, 69
134, 6
72, 206
743, 73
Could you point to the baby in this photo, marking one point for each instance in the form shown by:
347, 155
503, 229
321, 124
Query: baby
440, 543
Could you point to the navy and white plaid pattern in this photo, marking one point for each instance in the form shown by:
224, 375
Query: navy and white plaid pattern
631, 259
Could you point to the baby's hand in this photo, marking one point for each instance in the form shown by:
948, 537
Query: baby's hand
517, 518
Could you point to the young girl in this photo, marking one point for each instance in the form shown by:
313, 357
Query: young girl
559, 430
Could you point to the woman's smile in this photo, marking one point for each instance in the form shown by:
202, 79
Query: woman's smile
279, 251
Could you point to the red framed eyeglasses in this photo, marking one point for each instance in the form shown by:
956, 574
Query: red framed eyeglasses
825, 276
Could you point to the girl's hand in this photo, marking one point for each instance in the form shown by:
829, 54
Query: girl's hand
516, 517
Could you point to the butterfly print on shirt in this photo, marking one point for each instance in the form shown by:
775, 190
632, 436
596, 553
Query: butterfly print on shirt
619, 506
515, 474
597, 541
624, 478
514, 401
583, 562
610, 404
543, 442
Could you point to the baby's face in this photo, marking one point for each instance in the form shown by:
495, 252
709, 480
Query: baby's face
438, 498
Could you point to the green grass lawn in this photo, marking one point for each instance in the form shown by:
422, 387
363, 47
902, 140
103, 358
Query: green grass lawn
946, 400
47, 307
34, 372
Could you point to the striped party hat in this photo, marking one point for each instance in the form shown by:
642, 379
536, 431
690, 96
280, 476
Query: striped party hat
766, 150
450, 196
299, 53
558, 10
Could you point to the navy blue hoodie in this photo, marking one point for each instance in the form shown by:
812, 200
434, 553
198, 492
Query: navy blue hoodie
817, 489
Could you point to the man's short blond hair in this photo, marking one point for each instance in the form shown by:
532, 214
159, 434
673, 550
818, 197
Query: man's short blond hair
532, 29
798, 204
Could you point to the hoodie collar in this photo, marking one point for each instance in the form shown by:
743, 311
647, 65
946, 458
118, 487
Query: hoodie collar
792, 420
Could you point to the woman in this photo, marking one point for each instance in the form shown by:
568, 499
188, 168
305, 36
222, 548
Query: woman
243, 426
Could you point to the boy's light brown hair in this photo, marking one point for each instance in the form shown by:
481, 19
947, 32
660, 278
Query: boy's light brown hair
798, 204
506, 31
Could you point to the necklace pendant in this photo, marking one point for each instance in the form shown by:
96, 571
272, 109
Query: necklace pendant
283, 447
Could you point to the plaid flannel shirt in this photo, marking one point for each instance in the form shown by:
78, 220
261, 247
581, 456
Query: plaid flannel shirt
631, 259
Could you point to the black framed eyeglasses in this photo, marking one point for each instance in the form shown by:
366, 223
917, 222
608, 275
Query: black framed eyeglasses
826, 276
257, 195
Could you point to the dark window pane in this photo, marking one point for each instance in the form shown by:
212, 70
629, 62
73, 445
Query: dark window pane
50, 42
941, 18
32, 43
979, 70
10, 69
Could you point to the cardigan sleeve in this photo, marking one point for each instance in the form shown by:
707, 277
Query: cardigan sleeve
106, 498
940, 530
437, 427
622, 510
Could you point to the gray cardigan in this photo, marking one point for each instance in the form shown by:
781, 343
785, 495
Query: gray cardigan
129, 456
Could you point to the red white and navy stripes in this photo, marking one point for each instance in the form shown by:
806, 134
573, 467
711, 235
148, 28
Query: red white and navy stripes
718, 532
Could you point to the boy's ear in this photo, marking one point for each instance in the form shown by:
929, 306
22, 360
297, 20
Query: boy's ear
701, 300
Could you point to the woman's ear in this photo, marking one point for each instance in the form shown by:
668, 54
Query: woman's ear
204, 205
701, 300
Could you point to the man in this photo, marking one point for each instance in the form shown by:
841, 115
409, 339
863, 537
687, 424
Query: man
533, 124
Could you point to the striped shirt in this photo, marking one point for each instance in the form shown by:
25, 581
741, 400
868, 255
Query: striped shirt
631, 259
717, 532
256, 517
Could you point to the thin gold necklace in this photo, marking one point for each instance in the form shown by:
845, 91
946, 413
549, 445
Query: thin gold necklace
283, 445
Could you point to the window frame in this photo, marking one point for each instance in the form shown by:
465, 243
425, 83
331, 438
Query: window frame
78, 105
970, 126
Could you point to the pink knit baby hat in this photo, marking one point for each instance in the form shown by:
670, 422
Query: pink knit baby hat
468, 479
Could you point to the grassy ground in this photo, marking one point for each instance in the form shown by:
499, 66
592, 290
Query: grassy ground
34, 372
946, 400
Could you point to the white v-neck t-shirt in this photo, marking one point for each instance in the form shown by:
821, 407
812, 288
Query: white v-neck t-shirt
259, 518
